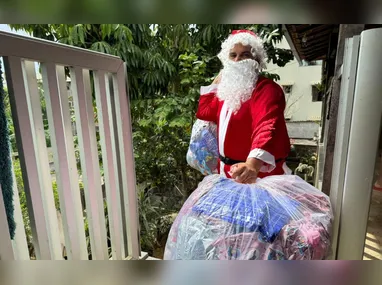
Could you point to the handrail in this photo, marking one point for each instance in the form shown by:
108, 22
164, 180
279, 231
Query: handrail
62, 54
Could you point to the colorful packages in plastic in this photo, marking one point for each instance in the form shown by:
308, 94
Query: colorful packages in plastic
278, 218
203, 149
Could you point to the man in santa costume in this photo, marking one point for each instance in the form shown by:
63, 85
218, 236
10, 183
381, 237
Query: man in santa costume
249, 111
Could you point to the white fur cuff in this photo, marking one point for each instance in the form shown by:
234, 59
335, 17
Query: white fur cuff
208, 89
264, 156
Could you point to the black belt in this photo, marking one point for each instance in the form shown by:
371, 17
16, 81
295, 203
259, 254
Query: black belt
229, 161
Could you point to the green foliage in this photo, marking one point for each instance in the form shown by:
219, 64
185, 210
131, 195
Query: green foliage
150, 206
167, 122
307, 165
272, 76
151, 52
155, 219
148, 61
6, 180
165, 180
320, 87
308, 155
8, 114
23, 201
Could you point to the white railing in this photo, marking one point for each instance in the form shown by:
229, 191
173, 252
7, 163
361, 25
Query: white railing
106, 75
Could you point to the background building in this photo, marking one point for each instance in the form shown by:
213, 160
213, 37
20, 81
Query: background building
303, 111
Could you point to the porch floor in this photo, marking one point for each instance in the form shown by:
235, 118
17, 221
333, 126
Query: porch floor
373, 243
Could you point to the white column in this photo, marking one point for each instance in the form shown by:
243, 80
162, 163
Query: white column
123, 121
57, 107
345, 109
109, 158
81, 91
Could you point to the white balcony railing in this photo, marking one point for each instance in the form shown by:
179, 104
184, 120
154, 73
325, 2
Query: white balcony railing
90, 72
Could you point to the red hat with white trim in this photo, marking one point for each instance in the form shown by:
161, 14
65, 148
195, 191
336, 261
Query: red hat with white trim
235, 32
245, 37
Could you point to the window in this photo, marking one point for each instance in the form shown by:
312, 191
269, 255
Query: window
317, 93
287, 89
311, 63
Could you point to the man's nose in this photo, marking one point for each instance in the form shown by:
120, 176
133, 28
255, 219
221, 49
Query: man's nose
237, 58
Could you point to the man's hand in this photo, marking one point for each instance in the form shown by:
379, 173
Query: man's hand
246, 172
218, 78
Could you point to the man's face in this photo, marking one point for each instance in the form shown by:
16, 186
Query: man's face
240, 52
239, 76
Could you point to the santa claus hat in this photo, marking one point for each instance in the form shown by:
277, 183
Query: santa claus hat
245, 37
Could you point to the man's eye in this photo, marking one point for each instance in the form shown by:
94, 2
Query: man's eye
232, 55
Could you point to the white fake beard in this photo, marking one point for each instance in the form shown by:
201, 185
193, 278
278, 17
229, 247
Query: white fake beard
238, 80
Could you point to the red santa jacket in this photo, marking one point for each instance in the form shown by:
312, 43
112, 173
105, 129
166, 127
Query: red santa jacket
257, 129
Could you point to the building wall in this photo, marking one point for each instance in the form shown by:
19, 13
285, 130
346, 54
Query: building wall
303, 130
299, 102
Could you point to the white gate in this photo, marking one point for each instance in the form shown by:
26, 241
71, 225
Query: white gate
90, 73
358, 133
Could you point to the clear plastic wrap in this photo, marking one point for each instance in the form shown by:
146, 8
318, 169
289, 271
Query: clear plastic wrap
203, 149
278, 218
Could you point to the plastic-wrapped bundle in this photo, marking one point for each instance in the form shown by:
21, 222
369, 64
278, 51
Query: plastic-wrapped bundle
203, 149
278, 218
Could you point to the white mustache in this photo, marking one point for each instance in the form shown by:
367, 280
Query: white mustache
241, 68
250, 64
237, 82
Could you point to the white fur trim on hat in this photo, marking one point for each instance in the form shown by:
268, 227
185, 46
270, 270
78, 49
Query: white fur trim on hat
245, 39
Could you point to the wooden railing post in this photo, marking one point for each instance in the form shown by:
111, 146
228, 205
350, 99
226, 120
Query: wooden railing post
129, 189
27, 117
